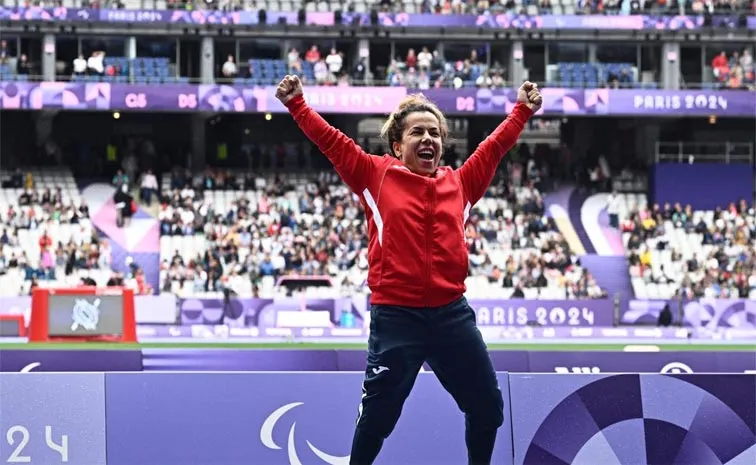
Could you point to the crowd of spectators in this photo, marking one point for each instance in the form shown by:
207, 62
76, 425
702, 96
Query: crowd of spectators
13, 65
736, 71
700, 254
275, 228
46, 237
426, 69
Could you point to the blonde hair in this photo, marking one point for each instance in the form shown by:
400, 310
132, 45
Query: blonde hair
394, 126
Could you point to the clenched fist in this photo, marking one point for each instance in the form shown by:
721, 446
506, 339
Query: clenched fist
529, 95
288, 88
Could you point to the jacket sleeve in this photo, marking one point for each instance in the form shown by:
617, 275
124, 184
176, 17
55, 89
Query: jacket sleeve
352, 163
478, 171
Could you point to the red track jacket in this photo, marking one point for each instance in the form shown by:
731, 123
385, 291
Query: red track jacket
417, 251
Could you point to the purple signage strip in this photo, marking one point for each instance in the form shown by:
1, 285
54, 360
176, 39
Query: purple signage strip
504, 360
522, 312
28, 360
369, 100
275, 419
488, 21
491, 333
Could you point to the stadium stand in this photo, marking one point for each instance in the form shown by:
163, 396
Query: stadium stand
265, 228
47, 238
137, 70
674, 251
219, 232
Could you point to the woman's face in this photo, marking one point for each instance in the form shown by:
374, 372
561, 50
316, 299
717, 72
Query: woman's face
421, 144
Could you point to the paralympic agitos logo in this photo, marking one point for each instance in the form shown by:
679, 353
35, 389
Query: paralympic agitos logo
266, 437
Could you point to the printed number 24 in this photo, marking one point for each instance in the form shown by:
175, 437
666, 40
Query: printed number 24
22, 434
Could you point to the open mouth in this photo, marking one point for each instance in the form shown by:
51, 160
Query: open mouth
426, 154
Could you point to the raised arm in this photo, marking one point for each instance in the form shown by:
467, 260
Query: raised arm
478, 171
352, 163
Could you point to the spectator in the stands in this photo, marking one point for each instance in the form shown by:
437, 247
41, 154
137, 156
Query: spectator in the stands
96, 63
294, 61
313, 54
322, 76
125, 206
148, 187
424, 60
80, 66
230, 70
22, 65
120, 179
335, 62
5, 53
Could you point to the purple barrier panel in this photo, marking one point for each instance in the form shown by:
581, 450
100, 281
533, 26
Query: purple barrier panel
15, 360
288, 360
703, 313
641, 362
52, 418
240, 360
634, 419
522, 312
274, 419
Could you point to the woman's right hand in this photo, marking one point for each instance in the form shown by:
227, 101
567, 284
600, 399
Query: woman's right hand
288, 88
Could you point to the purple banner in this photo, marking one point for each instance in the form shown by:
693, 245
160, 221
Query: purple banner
491, 312
515, 361
564, 22
26, 360
489, 21
681, 182
275, 419
634, 419
369, 100
711, 314
265, 313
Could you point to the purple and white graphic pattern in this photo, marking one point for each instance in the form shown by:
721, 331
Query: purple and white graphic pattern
369, 100
634, 419
493, 21
704, 313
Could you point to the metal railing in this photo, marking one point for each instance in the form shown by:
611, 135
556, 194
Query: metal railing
704, 152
